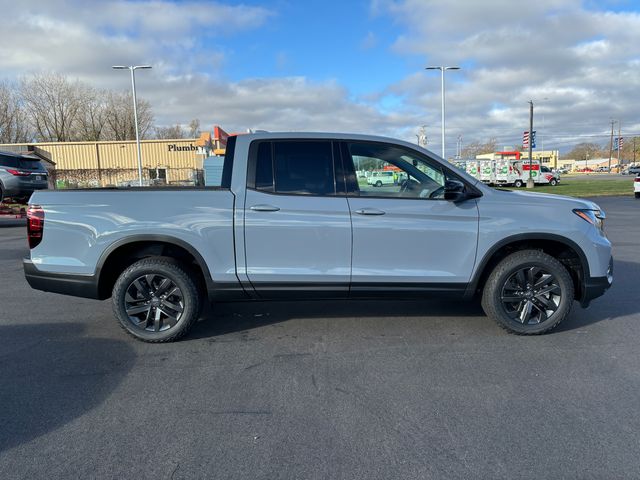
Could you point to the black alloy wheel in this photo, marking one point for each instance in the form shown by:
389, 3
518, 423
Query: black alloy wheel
157, 299
531, 295
154, 303
529, 292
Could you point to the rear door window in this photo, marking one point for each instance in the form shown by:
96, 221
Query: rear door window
295, 168
9, 162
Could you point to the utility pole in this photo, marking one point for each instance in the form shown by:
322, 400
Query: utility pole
634, 150
619, 139
530, 183
611, 144
422, 136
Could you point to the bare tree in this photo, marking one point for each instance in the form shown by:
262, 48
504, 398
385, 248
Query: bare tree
194, 128
120, 119
586, 150
92, 118
14, 125
52, 103
478, 148
174, 131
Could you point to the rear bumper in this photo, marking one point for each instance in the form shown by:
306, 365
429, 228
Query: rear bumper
19, 189
595, 287
76, 285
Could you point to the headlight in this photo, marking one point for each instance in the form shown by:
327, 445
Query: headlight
594, 217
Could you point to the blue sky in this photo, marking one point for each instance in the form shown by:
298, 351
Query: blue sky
323, 40
353, 66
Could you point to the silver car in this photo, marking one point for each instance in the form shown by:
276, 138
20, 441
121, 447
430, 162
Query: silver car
20, 175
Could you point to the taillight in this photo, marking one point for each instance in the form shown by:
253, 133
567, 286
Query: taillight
18, 173
637, 179
35, 225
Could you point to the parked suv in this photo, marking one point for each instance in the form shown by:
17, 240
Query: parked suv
632, 170
20, 175
379, 179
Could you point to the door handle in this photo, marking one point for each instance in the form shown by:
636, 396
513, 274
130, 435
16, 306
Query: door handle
264, 208
370, 211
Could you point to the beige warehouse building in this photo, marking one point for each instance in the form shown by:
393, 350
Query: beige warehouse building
95, 164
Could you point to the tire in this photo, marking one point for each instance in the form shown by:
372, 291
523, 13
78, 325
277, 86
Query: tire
148, 298
637, 194
509, 280
553, 182
378, 183
1, 194
518, 184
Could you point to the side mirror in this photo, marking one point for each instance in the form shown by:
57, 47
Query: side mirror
454, 190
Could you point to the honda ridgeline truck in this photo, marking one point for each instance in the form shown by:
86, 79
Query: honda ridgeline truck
292, 220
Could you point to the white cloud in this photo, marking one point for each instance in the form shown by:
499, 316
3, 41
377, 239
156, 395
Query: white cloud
584, 61
289, 103
369, 41
83, 40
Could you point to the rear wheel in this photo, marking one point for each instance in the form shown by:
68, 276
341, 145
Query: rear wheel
156, 300
518, 183
528, 293
637, 194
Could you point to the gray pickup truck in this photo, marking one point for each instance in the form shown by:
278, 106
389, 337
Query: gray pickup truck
295, 217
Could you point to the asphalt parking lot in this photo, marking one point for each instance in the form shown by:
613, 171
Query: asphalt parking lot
321, 390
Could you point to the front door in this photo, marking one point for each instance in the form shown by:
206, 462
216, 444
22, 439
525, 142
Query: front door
405, 234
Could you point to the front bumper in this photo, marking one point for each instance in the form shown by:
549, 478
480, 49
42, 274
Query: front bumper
76, 285
594, 287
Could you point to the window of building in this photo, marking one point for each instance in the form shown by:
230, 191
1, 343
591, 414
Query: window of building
158, 176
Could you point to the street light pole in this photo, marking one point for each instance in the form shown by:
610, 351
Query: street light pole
530, 183
442, 68
132, 69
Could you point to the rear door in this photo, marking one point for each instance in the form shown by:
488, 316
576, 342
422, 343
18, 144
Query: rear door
297, 221
405, 235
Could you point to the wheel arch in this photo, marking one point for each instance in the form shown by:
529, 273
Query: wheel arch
120, 254
568, 252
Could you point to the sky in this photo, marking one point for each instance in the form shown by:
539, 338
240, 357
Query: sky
351, 66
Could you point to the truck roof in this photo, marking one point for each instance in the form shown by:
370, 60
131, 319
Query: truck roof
326, 135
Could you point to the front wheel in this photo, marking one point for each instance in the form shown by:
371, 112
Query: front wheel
378, 183
528, 293
156, 300
553, 182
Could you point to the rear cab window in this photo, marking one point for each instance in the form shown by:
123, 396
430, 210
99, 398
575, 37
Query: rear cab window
293, 167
